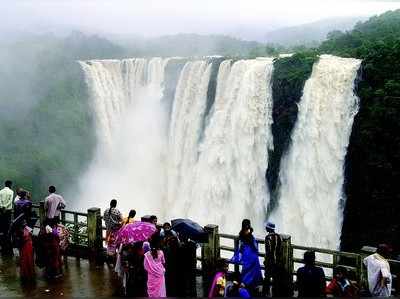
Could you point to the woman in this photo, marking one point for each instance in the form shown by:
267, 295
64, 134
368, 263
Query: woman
135, 276
247, 255
173, 259
112, 218
219, 283
63, 234
50, 251
154, 265
23, 206
27, 266
130, 218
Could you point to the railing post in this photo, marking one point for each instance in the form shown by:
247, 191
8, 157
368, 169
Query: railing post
210, 254
42, 213
94, 231
287, 260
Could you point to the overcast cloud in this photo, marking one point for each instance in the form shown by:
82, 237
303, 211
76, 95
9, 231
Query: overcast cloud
242, 18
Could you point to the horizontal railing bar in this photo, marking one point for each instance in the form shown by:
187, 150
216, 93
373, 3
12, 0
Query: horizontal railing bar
317, 263
394, 262
227, 248
327, 251
227, 236
74, 213
81, 224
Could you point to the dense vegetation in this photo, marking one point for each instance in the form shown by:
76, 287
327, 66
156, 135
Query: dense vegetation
373, 159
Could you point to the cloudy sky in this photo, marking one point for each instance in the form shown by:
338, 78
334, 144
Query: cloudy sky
241, 18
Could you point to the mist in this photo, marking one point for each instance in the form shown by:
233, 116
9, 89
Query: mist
241, 19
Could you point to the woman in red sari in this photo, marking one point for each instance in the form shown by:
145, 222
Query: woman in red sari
50, 252
27, 266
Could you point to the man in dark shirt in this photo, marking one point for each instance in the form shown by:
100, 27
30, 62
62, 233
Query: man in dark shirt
272, 260
310, 278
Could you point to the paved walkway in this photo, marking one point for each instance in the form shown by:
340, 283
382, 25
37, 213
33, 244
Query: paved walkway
80, 279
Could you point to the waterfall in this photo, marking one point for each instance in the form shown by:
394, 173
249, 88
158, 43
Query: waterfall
222, 180
311, 177
206, 158
130, 159
185, 130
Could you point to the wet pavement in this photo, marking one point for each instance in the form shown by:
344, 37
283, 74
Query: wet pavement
80, 279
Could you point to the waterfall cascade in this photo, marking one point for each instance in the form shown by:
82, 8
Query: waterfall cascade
130, 160
223, 177
210, 164
311, 177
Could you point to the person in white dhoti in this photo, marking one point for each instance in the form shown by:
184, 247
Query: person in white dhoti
378, 269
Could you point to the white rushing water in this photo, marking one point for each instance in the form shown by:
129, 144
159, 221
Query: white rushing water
211, 168
222, 180
185, 130
130, 120
311, 177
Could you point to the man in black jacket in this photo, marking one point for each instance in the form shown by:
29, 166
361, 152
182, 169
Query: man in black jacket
310, 278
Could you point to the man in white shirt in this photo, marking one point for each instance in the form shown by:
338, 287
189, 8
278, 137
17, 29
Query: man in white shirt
6, 205
379, 276
53, 204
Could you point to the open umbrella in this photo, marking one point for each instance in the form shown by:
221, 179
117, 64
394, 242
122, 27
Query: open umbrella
134, 232
190, 229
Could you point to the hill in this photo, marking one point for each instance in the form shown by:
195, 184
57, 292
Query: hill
310, 34
187, 45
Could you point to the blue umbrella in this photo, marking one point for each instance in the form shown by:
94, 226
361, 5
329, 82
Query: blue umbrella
190, 229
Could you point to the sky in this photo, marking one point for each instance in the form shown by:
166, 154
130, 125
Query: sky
240, 18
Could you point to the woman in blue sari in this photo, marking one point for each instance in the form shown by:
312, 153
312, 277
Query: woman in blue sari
247, 256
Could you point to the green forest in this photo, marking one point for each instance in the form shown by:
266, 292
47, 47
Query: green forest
48, 133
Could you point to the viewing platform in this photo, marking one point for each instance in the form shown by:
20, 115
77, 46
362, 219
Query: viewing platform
86, 274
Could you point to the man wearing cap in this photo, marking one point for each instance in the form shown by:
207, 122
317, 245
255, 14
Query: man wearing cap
272, 261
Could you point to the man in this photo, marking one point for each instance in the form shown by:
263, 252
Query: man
379, 276
272, 262
6, 205
53, 204
153, 219
310, 278
167, 231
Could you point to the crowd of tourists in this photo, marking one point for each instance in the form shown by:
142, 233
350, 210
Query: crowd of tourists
153, 260
19, 228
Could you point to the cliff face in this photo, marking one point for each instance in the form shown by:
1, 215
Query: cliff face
373, 172
288, 79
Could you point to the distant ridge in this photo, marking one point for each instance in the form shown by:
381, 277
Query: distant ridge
311, 34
